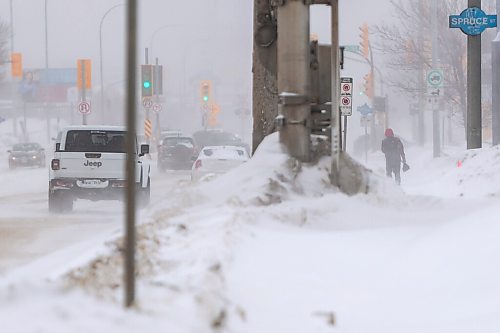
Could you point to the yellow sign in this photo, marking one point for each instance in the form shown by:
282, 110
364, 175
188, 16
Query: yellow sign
16, 60
212, 115
84, 70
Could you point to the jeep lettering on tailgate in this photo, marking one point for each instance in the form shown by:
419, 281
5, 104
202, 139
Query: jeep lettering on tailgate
93, 164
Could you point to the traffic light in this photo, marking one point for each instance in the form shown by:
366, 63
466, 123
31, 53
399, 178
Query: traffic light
147, 80
205, 92
365, 40
368, 85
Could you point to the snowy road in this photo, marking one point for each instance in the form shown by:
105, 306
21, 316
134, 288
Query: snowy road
28, 232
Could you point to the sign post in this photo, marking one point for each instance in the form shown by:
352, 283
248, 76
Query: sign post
473, 21
345, 104
366, 118
84, 82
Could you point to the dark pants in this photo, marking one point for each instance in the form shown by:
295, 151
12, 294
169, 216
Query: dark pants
393, 166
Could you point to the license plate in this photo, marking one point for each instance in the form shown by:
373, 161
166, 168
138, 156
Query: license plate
91, 182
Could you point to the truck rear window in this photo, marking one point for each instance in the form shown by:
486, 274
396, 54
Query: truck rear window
95, 141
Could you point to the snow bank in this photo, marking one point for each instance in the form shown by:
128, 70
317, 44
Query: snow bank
272, 247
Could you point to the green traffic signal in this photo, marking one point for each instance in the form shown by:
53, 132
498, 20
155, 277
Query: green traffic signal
147, 80
205, 98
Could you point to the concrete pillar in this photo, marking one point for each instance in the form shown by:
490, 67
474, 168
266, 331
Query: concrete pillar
293, 77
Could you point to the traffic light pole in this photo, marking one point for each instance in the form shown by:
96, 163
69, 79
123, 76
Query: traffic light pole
147, 115
157, 101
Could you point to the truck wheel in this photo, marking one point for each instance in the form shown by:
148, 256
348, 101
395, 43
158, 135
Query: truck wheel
60, 201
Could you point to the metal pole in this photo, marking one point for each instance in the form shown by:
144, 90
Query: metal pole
495, 67
335, 91
101, 70
344, 141
46, 39
420, 88
11, 52
156, 32
157, 101
131, 100
366, 143
84, 86
436, 145
293, 77
11, 28
474, 130
47, 112
146, 58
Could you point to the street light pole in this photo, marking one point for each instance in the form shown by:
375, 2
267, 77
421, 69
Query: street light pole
46, 69
46, 39
11, 28
11, 52
153, 35
100, 58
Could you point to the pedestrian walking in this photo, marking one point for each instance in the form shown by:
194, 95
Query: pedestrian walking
394, 152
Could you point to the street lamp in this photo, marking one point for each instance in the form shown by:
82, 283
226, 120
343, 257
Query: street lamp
100, 56
156, 32
46, 39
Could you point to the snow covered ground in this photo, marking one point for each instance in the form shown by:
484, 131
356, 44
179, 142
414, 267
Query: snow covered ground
270, 247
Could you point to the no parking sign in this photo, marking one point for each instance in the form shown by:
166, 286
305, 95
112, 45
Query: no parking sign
346, 96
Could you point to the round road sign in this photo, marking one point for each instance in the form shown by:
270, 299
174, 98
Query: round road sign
346, 101
346, 88
157, 107
435, 78
147, 103
84, 107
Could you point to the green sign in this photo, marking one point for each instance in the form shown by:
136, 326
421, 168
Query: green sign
435, 78
351, 48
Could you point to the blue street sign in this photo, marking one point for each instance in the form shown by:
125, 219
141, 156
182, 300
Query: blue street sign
473, 21
365, 109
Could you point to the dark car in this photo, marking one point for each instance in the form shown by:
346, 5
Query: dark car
26, 154
177, 153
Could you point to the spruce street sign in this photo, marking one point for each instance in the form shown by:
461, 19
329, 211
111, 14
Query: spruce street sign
473, 21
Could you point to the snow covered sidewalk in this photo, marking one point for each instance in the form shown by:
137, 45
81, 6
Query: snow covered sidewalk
271, 247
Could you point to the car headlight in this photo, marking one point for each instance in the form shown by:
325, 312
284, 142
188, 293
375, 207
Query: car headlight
35, 157
12, 157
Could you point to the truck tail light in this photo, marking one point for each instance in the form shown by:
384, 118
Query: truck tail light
197, 164
55, 164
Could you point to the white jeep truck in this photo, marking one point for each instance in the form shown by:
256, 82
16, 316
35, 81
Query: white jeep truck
89, 163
